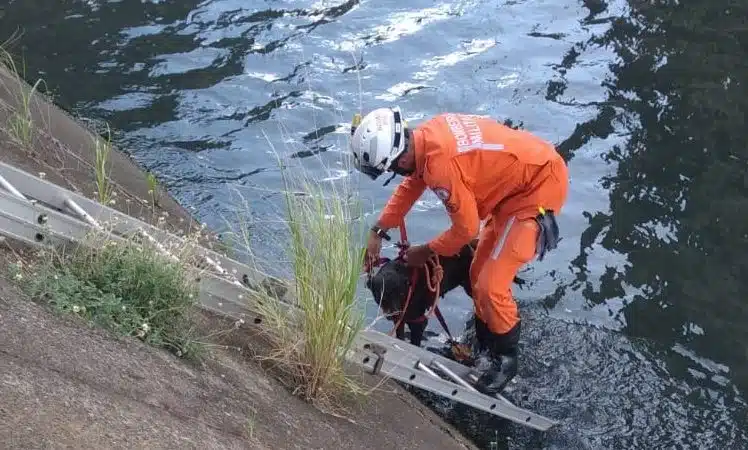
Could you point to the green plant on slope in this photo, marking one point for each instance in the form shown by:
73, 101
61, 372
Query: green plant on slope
326, 268
313, 337
124, 287
102, 167
20, 125
152, 190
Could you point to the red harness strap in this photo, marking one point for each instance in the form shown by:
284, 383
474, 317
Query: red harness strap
404, 245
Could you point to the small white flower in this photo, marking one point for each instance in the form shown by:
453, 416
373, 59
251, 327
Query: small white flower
145, 327
112, 202
76, 309
18, 276
124, 308
42, 175
179, 353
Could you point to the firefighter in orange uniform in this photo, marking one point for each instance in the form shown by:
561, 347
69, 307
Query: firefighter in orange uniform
481, 170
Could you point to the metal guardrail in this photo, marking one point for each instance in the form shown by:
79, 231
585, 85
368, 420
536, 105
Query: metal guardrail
37, 212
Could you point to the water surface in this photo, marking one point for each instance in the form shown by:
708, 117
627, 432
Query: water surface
634, 329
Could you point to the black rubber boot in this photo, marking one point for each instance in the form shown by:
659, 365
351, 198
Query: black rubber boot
496, 359
494, 372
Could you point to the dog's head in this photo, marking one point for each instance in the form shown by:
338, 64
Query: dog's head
389, 286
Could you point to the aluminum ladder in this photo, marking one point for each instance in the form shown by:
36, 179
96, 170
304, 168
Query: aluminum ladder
41, 213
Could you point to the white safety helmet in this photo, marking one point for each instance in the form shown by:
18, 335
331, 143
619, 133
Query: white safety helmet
377, 140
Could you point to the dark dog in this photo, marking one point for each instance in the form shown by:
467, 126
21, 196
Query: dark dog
391, 283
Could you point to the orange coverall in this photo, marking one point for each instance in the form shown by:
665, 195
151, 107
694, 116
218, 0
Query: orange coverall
483, 170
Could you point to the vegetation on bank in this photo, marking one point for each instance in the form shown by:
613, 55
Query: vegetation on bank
122, 285
20, 125
312, 335
130, 287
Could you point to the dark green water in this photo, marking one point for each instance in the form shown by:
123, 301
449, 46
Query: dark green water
635, 330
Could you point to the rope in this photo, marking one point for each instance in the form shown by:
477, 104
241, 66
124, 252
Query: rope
401, 316
434, 280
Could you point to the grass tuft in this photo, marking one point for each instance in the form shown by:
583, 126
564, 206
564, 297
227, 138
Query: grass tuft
313, 328
20, 125
102, 167
153, 190
122, 286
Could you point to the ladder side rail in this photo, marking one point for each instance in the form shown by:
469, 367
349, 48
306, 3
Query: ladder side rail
61, 198
422, 379
10, 188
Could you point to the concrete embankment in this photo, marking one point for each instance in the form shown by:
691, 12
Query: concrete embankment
64, 383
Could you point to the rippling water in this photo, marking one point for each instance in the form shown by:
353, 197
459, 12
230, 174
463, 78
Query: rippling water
634, 331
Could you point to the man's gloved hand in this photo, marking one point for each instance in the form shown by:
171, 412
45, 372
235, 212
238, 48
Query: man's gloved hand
418, 255
373, 249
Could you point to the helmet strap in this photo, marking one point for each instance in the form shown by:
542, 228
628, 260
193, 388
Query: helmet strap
389, 179
397, 170
394, 167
